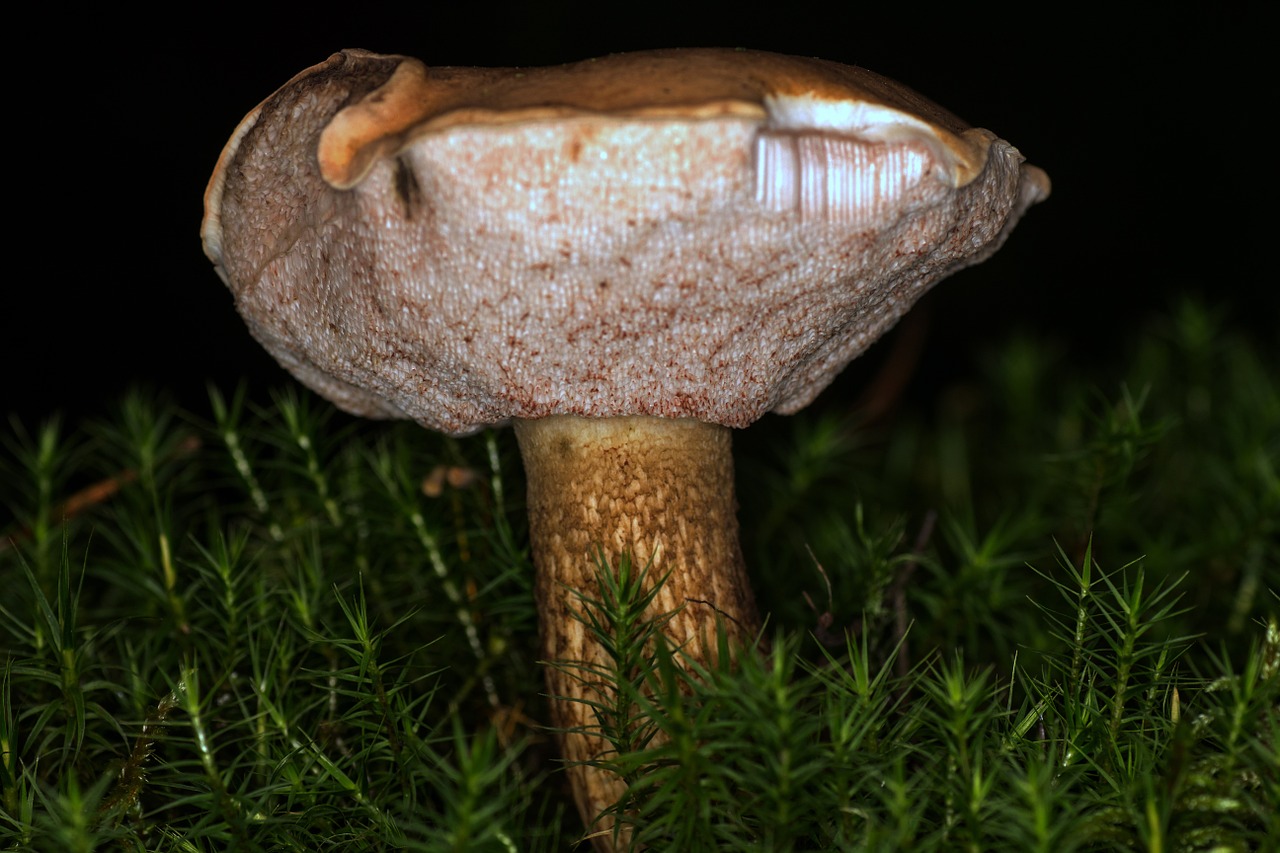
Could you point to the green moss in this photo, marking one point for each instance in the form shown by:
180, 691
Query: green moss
1038, 612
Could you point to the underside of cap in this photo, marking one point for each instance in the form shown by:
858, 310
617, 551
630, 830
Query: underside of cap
793, 93
700, 234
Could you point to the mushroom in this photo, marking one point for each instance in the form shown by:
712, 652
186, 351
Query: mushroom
623, 257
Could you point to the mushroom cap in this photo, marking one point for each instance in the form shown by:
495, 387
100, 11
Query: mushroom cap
709, 234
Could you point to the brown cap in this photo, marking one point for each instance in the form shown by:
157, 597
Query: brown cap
710, 234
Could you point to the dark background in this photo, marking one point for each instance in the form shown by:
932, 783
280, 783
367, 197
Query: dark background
1153, 129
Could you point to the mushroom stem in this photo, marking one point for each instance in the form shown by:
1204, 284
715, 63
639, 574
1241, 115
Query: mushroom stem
661, 491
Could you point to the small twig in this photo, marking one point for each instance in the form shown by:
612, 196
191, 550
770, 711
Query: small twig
94, 494
462, 602
892, 379
455, 476
133, 774
898, 593
822, 632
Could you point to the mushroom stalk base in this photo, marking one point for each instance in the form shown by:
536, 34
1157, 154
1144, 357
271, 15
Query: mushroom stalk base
661, 491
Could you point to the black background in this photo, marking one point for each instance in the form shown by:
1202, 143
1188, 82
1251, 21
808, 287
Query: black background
1154, 131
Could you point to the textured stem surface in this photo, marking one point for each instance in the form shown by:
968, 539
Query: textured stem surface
660, 490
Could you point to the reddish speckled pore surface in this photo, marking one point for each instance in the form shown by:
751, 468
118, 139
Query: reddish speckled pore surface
592, 264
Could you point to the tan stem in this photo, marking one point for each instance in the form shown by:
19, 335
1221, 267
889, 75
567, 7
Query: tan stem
660, 490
